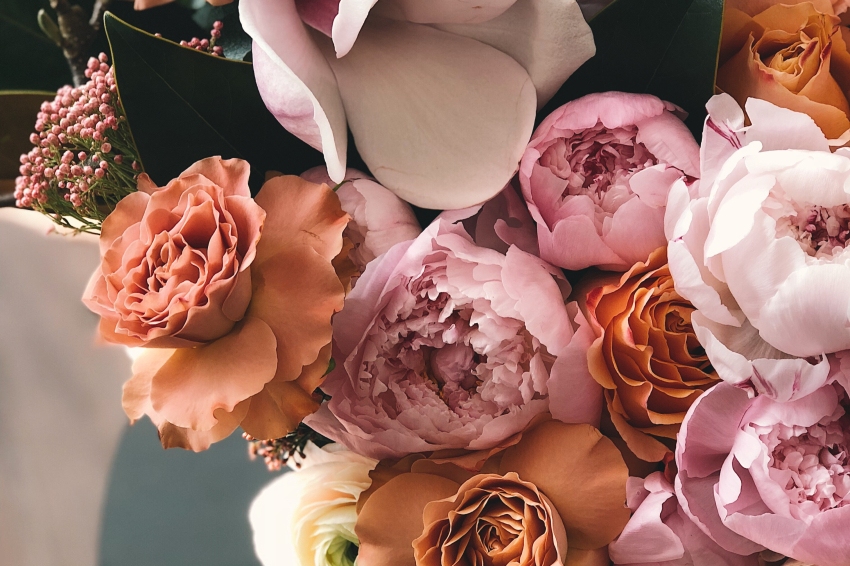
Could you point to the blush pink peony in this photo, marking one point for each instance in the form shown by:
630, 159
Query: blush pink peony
760, 247
379, 219
755, 474
659, 533
443, 344
596, 175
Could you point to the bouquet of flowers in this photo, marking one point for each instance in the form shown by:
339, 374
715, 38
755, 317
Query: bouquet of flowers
508, 283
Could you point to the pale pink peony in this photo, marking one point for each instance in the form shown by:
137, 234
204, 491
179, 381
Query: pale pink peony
379, 219
756, 474
661, 534
596, 175
760, 245
444, 344
440, 95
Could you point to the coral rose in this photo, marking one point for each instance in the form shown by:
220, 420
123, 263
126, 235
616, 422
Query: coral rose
646, 355
756, 474
306, 517
793, 54
660, 533
596, 176
762, 243
443, 344
556, 497
234, 295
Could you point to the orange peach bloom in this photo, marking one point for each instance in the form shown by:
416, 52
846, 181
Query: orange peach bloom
231, 296
646, 355
792, 54
555, 497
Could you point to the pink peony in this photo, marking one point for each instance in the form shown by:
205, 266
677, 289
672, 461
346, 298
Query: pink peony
379, 219
444, 344
596, 175
760, 247
440, 96
661, 534
756, 474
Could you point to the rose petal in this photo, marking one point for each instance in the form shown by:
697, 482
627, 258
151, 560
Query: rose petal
229, 174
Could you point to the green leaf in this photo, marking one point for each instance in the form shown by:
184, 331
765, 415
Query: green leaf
17, 122
184, 105
663, 47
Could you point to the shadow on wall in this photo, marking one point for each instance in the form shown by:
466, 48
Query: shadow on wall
177, 508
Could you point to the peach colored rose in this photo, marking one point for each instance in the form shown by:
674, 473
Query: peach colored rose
646, 355
232, 296
555, 497
145, 4
792, 54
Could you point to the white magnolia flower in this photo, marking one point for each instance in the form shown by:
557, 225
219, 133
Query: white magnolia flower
306, 517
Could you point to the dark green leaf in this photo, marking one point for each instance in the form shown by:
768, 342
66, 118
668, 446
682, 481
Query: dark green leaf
17, 122
235, 42
184, 105
663, 47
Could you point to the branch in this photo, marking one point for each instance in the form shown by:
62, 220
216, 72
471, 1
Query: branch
74, 33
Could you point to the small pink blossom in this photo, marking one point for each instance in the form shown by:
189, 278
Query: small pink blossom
445, 344
596, 175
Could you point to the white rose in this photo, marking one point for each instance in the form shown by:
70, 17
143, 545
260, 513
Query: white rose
306, 517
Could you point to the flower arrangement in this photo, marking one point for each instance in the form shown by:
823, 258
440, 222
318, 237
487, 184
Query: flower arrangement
618, 337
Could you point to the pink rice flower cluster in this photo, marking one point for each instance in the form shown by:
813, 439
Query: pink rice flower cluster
208, 45
83, 160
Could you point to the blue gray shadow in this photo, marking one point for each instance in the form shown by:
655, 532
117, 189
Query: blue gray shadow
177, 508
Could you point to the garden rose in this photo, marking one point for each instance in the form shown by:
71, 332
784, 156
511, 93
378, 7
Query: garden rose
306, 517
762, 241
465, 78
444, 344
793, 54
379, 219
556, 497
233, 297
755, 474
646, 355
596, 176
660, 533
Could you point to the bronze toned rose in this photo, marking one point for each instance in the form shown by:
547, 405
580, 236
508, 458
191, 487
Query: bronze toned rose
791, 53
556, 497
646, 355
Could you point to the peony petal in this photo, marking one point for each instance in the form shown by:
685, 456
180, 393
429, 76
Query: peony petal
781, 128
294, 79
581, 472
646, 538
449, 127
669, 140
549, 38
391, 519
188, 388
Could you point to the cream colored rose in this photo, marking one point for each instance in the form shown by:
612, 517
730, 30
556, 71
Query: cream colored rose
306, 517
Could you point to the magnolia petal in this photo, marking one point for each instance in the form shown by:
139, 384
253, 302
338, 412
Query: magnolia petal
549, 38
348, 23
443, 11
450, 127
387, 528
581, 472
294, 79
188, 388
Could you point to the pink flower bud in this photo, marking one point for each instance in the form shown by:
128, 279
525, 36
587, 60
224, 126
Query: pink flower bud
119, 159
100, 173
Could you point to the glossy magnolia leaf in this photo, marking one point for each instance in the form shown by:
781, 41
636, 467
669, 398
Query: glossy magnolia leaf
663, 47
184, 105
17, 122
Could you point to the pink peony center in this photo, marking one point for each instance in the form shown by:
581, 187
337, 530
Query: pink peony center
598, 162
811, 464
821, 231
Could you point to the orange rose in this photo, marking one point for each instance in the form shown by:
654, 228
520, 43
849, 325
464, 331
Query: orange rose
793, 55
231, 296
555, 497
646, 355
